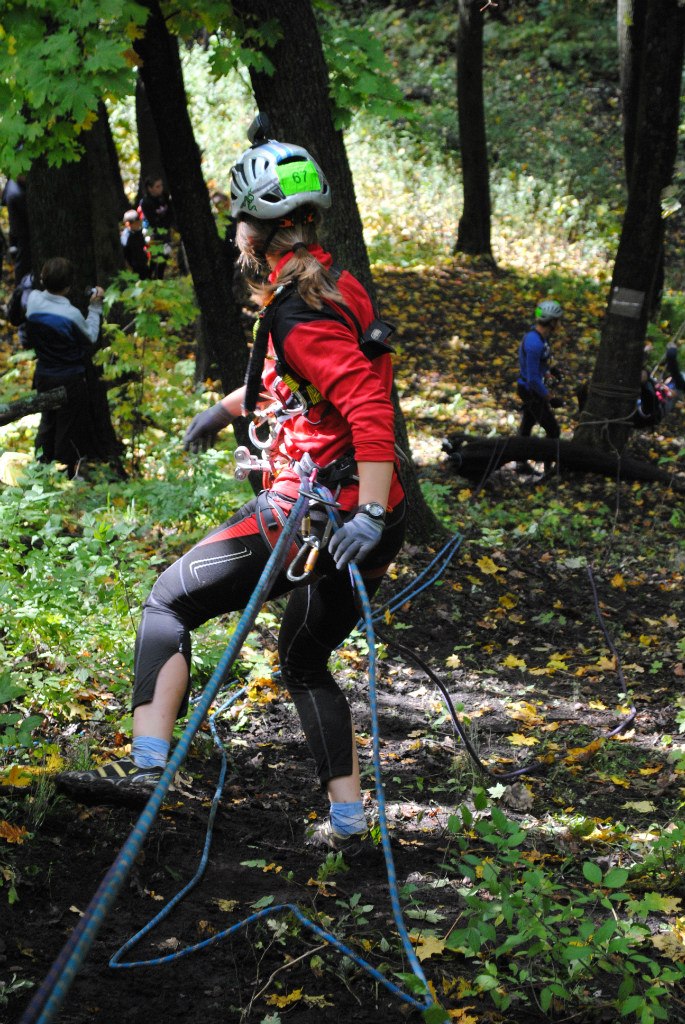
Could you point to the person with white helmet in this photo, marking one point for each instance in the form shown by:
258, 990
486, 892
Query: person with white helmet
328, 377
534, 366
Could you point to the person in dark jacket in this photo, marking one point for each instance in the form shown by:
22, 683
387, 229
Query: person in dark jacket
134, 245
14, 198
63, 341
157, 213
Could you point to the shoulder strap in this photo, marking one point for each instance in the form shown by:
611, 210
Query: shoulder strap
262, 329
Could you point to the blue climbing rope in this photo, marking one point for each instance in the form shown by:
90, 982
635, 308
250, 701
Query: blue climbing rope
52, 992
270, 912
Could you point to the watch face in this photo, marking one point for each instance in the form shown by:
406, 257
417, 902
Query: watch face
375, 509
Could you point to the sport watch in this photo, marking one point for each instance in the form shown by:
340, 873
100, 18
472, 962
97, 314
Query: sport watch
374, 510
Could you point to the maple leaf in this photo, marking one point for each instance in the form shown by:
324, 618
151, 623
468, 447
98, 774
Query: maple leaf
581, 755
517, 739
511, 661
670, 946
430, 945
12, 833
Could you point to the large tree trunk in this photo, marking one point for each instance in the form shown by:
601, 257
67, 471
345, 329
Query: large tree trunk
162, 76
75, 209
296, 100
615, 381
473, 235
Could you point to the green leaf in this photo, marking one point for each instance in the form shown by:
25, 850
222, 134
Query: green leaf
615, 878
592, 872
265, 901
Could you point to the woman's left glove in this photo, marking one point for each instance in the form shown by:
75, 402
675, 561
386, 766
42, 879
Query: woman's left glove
355, 539
204, 427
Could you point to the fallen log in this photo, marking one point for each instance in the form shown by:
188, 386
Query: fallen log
475, 458
38, 402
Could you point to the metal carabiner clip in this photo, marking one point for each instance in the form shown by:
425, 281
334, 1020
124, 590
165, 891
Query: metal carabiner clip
252, 432
311, 543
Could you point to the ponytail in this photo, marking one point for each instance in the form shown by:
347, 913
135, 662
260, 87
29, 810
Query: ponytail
255, 238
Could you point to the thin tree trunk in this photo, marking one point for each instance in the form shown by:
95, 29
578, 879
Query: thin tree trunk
149, 150
162, 77
473, 234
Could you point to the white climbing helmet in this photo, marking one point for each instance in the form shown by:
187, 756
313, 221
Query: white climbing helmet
274, 178
547, 310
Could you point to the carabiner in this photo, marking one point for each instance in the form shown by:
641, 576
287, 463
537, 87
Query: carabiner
310, 562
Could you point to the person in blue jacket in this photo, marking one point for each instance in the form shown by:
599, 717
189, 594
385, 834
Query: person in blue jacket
534, 367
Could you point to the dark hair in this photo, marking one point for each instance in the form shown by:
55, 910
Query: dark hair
57, 274
152, 178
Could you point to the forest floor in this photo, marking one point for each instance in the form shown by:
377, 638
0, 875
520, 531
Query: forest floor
513, 630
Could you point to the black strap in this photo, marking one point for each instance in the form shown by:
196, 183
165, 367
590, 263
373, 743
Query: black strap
255, 366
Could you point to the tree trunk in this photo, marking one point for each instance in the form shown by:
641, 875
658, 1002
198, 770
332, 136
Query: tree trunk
475, 458
630, 26
630, 32
60, 221
162, 77
107, 198
615, 381
473, 235
296, 99
74, 211
149, 150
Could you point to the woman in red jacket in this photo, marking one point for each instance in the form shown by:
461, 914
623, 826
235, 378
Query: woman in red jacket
327, 377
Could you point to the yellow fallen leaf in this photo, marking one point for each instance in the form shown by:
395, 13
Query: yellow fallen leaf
581, 755
606, 664
670, 946
651, 769
618, 582
430, 945
641, 806
17, 776
282, 1001
226, 905
517, 739
462, 1016
454, 661
12, 833
618, 781
524, 711
511, 661
488, 567
507, 601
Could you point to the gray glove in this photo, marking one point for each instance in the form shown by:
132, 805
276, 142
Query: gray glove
355, 539
204, 427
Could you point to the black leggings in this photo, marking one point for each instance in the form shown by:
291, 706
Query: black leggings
219, 575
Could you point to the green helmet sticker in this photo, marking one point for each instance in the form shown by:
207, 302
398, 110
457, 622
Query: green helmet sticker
298, 177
